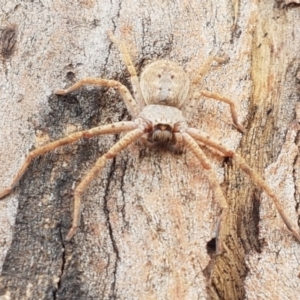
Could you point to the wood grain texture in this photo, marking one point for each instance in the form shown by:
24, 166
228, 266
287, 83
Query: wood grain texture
149, 219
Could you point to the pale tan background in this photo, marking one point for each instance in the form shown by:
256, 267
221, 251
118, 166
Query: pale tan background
148, 217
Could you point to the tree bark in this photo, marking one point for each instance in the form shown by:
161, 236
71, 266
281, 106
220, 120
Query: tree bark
149, 219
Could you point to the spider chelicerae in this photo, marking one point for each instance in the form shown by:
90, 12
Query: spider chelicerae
160, 97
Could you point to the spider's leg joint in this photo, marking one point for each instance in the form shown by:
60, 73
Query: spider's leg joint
144, 124
87, 134
110, 155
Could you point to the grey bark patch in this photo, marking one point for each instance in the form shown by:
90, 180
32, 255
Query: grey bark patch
46, 205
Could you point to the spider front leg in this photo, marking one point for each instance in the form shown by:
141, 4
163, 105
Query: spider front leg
233, 112
205, 68
105, 129
196, 95
254, 175
129, 101
196, 150
113, 151
130, 67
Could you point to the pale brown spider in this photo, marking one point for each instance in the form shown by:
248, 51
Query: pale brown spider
159, 98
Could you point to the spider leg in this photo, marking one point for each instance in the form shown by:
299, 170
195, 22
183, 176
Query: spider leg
221, 98
122, 89
192, 145
105, 129
254, 175
112, 152
205, 68
130, 67
196, 81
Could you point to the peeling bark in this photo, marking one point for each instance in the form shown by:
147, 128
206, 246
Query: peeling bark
148, 222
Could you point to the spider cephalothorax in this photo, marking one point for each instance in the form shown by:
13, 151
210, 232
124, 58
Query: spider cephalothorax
160, 97
164, 122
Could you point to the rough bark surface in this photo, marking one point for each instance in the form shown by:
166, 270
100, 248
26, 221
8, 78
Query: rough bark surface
148, 222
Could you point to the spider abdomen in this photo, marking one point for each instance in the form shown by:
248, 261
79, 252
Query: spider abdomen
164, 83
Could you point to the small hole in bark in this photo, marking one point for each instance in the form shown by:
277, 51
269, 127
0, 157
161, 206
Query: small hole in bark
70, 76
8, 40
211, 246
